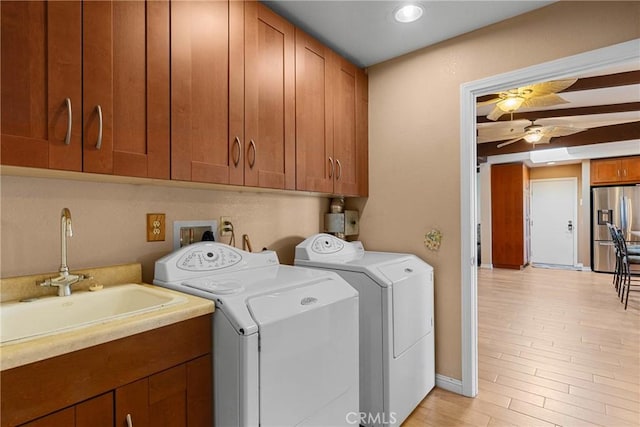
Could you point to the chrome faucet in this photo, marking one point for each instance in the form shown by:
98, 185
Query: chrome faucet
64, 281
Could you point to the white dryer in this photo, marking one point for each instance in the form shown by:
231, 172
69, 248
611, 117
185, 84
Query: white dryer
285, 339
397, 357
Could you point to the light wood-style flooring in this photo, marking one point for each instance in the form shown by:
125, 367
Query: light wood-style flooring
555, 347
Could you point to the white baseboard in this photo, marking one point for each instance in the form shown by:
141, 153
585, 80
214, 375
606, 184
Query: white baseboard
487, 266
450, 384
587, 268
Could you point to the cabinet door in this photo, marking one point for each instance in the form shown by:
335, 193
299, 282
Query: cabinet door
605, 171
41, 70
269, 99
63, 418
314, 116
126, 88
96, 412
630, 167
180, 396
345, 142
200, 91
362, 133
132, 402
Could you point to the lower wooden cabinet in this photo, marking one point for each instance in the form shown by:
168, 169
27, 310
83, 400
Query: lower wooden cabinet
157, 378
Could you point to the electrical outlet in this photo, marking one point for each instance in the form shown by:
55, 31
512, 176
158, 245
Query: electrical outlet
155, 227
223, 230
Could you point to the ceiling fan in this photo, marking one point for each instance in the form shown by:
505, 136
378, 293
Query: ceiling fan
530, 131
535, 95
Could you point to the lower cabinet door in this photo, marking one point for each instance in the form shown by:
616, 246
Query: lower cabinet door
95, 412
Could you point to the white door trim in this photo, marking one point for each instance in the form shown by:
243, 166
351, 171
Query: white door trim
576, 228
561, 68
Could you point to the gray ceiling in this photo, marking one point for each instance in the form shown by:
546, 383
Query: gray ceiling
366, 33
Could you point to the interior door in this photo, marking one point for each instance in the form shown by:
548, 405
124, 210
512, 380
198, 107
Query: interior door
554, 221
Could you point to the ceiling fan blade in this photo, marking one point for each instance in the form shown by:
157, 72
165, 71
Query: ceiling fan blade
495, 114
557, 131
504, 144
544, 101
544, 140
490, 101
500, 131
553, 86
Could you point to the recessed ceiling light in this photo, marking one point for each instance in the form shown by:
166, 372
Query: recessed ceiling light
408, 13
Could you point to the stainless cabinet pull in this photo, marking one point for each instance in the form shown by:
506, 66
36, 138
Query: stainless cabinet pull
129, 421
236, 143
67, 138
338, 170
252, 145
99, 141
624, 172
330, 167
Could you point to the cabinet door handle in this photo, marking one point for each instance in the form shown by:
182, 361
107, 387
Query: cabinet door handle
338, 169
252, 146
67, 137
330, 167
624, 172
236, 143
618, 172
129, 421
99, 141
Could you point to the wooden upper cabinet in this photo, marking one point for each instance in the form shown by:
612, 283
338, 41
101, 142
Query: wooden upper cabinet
269, 99
623, 170
126, 88
41, 87
262, 107
362, 133
331, 121
200, 150
314, 116
345, 142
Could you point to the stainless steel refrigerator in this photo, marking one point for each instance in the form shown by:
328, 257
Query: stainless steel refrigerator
618, 205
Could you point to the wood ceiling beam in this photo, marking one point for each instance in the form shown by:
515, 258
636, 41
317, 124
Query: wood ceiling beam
565, 112
599, 135
609, 80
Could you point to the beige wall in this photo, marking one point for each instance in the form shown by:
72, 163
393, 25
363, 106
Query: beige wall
109, 221
571, 171
414, 136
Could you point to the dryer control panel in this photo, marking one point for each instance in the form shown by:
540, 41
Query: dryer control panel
322, 246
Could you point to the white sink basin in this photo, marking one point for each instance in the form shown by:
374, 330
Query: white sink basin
50, 315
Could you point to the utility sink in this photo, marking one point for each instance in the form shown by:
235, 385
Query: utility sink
50, 315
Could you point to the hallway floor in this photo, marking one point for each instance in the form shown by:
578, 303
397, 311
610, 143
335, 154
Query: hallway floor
555, 347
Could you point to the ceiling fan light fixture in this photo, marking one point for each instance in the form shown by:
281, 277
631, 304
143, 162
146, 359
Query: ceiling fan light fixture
511, 103
533, 137
408, 13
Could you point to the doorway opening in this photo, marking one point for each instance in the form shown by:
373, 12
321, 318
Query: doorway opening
561, 68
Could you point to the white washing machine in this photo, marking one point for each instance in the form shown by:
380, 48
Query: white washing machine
397, 357
285, 339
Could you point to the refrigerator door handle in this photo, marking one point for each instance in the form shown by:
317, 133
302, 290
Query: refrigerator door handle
623, 215
628, 215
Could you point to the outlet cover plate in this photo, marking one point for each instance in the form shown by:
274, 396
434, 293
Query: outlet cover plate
156, 227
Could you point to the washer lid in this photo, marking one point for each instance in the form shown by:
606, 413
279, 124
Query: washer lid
270, 308
215, 286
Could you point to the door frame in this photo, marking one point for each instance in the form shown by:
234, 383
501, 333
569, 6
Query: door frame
576, 228
561, 68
